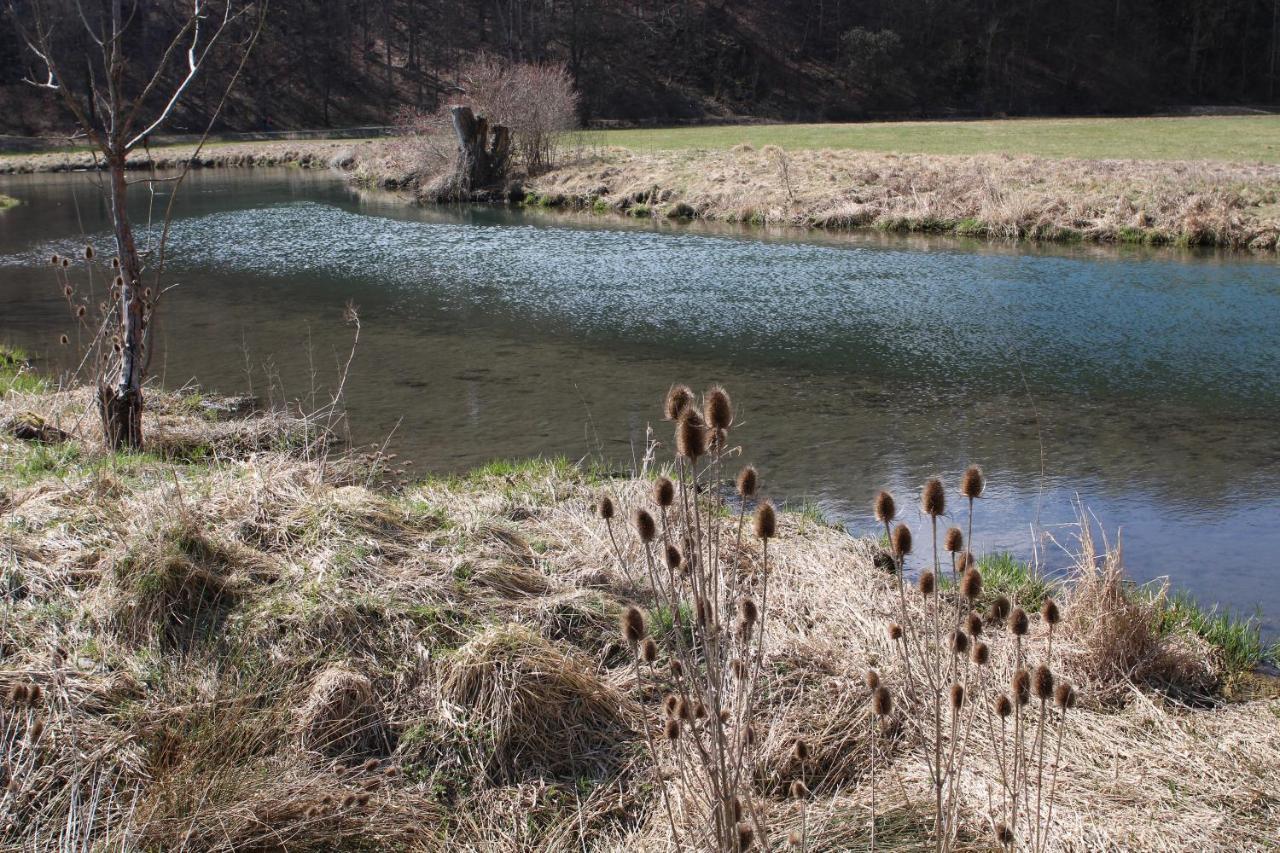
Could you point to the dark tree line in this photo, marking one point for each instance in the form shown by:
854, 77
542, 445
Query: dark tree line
342, 62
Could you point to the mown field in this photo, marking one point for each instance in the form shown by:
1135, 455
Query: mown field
1221, 138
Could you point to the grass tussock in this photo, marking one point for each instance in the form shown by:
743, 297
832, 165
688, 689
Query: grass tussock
259, 649
988, 196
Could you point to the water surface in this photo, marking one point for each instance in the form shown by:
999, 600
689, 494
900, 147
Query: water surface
1143, 386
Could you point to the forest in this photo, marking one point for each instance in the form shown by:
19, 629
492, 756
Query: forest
333, 63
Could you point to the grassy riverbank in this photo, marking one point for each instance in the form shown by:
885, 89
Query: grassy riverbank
7, 202
241, 642
318, 153
1232, 139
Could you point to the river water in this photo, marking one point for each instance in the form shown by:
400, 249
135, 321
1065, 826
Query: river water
1141, 385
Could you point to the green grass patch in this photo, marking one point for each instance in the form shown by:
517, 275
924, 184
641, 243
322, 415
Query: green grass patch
16, 374
1005, 573
1238, 639
8, 201
1225, 138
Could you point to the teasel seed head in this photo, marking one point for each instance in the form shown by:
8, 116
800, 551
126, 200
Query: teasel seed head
671, 705
973, 624
605, 507
800, 750
672, 730
895, 631
885, 507
1050, 613
1004, 834
64, 340
677, 668
795, 838
115, 263
748, 480
362, 799
66, 263
67, 291
972, 483
1018, 622
736, 805
999, 609
348, 800
980, 654
1021, 686
18, 693
749, 736
36, 693
798, 790
691, 435
971, 584
646, 529
391, 772
36, 730
649, 650
664, 492
684, 710
88, 253
746, 835
679, 398
964, 561
717, 408
55, 260
957, 697
766, 521
1065, 696
901, 541
927, 583
872, 679
738, 668
370, 765
748, 611
1043, 683
1003, 706
954, 540
371, 784
699, 711
632, 626
673, 557
933, 498
882, 701
81, 311
724, 715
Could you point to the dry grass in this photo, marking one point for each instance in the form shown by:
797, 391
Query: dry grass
994, 196
303, 153
436, 668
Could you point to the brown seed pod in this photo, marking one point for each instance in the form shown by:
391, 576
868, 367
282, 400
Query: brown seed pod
959, 643
1018, 622
679, 398
632, 625
673, 557
684, 710
1021, 686
362, 800
748, 481
766, 521
671, 705
672, 730
965, 560
749, 736
795, 838
646, 529
1004, 835
724, 715
800, 750
885, 508
927, 584
972, 483
115, 263
799, 790
999, 609
649, 650
691, 435
604, 508
370, 765
873, 679
391, 772
18, 693
717, 408
746, 835
971, 584
748, 611
1050, 613
882, 701
736, 804
1003, 706
895, 631
36, 730
664, 492
933, 499
55, 260
738, 668
901, 541
953, 541
980, 654
957, 697
677, 668
1043, 683
88, 253
1064, 695
64, 340
973, 624
699, 711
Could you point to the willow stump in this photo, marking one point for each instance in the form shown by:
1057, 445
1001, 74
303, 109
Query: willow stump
482, 152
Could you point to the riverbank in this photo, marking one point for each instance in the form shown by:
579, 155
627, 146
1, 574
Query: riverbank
999, 197
241, 640
317, 154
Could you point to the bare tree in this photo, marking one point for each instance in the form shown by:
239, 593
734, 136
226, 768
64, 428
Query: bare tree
89, 54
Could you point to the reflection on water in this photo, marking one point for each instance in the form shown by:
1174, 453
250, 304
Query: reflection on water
1144, 383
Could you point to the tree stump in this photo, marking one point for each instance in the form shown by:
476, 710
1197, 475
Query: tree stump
482, 154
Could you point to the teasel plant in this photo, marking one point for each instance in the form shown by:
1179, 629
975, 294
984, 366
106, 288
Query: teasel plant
707, 579
956, 690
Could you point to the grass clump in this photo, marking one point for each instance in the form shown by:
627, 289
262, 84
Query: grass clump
1237, 639
7, 202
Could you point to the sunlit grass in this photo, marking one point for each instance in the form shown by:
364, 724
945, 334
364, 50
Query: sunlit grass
1231, 138
1238, 639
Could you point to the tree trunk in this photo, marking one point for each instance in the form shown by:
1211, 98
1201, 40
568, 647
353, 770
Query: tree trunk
482, 154
120, 404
